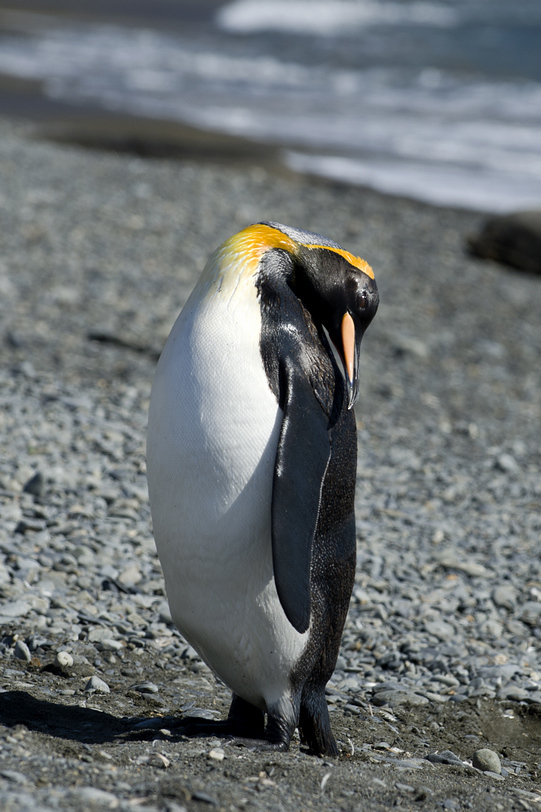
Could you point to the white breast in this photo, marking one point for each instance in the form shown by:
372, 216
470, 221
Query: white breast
212, 436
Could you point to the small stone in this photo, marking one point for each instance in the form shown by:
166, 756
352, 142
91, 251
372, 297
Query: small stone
217, 753
451, 560
165, 614
29, 524
487, 761
14, 609
513, 692
34, 485
92, 796
404, 787
14, 776
506, 463
145, 688
205, 798
130, 576
399, 697
98, 685
21, 651
445, 757
159, 760
109, 644
531, 613
440, 629
63, 659
99, 634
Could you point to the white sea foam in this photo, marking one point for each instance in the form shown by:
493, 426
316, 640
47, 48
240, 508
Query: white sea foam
329, 17
426, 133
439, 184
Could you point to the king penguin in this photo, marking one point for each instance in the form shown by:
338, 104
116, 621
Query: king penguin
251, 460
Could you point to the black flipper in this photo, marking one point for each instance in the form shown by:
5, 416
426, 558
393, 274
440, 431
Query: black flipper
302, 458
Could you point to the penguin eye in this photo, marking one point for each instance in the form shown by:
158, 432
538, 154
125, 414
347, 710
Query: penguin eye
362, 300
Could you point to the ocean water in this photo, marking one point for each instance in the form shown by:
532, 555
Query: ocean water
439, 101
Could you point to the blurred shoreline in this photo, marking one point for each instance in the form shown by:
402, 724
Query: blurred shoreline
154, 13
170, 79
94, 128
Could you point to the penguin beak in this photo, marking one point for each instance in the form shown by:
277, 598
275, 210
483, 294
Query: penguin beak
350, 358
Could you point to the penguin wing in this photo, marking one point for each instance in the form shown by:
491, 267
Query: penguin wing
304, 451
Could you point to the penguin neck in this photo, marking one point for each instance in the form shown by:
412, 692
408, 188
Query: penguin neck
288, 326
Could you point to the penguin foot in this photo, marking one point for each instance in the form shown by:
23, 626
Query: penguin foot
244, 727
244, 722
259, 745
184, 725
315, 725
196, 726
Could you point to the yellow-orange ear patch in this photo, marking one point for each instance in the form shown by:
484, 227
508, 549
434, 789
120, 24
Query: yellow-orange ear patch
237, 261
253, 241
357, 262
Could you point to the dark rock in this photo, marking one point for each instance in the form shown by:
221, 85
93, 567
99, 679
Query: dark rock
445, 757
204, 798
512, 239
34, 485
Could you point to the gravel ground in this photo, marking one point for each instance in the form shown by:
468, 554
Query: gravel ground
441, 653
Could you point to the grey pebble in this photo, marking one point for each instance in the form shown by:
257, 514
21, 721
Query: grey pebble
404, 787
96, 684
13, 609
531, 613
398, 697
445, 757
505, 596
21, 651
94, 796
205, 798
145, 688
109, 644
35, 484
513, 692
507, 463
487, 760
440, 629
14, 776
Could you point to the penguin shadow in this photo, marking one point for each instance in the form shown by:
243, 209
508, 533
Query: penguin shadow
73, 722
88, 726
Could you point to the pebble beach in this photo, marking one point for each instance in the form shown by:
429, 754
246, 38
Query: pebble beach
441, 655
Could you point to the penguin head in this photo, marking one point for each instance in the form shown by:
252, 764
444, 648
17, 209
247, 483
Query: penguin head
338, 290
